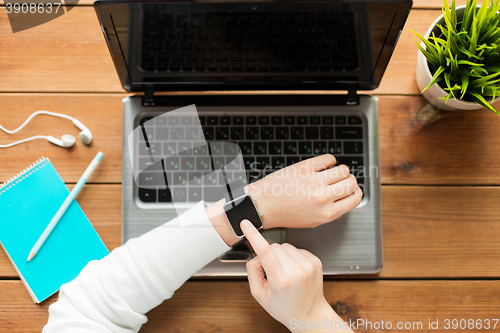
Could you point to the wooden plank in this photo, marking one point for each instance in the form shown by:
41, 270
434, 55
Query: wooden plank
78, 60
417, 145
420, 145
428, 232
227, 306
431, 231
102, 114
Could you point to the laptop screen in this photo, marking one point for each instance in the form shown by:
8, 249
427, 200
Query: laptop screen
251, 45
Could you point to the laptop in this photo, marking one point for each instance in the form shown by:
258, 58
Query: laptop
281, 46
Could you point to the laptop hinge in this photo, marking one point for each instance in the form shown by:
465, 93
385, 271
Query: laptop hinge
352, 95
149, 98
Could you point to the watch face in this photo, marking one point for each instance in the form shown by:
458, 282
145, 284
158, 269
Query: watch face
239, 210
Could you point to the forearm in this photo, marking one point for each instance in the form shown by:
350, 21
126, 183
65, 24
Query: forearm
114, 294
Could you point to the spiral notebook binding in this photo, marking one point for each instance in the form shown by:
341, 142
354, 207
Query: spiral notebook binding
12, 181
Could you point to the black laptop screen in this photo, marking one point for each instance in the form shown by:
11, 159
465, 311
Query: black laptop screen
251, 45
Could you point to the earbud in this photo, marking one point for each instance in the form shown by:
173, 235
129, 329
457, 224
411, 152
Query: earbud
85, 134
66, 140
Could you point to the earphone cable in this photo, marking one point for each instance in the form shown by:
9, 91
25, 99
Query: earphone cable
55, 114
24, 140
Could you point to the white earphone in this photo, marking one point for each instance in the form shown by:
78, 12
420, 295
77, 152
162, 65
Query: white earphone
66, 140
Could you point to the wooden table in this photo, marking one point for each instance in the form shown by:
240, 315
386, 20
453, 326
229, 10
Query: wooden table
440, 194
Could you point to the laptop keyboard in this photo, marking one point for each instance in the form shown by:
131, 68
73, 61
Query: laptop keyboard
176, 40
267, 143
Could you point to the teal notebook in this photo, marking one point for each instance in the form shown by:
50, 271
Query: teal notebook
27, 204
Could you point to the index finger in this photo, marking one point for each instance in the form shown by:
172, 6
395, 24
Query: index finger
261, 247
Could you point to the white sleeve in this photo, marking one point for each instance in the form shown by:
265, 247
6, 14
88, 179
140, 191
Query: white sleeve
114, 293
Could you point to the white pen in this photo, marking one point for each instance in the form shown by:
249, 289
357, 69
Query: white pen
66, 204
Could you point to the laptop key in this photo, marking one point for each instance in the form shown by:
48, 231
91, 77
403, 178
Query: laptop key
150, 148
353, 147
297, 133
260, 148
326, 132
335, 147
292, 160
312, 132
237, 133
305, 148
194, 194
340, 120
222, 133
187, 121
276, 120
179, 193
354, 120
275, 147
315, 120
246, 148
216, 148
264, 120
203, 163
219, 162
267, 133
200, 148
212, 121
185, 148
161, 133
177, 133
282, 133
289, 120
172, 163
145, 164
147, 195
238, 120
192, 133
319, 148
262, 162
195, 178
302, 120
251, 120
349, 133
150, 179
208, 132
278, 162
290, 148
351, 162
230, 149
252, 133
187, 163
248, 161
179, 178
225, 120
164, 195
169, 148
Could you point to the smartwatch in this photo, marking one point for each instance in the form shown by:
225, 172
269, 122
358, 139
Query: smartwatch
240, 206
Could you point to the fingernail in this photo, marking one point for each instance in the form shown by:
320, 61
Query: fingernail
245, 223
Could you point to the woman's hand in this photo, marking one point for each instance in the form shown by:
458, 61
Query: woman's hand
306, 194
288, 284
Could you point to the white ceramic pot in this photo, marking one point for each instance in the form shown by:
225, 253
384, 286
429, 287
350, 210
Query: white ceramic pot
424, 76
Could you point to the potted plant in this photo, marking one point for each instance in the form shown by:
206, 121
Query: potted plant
458, 64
